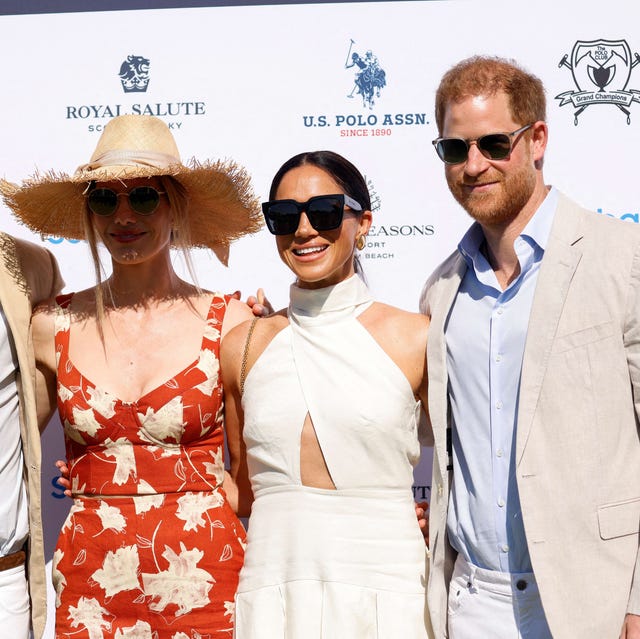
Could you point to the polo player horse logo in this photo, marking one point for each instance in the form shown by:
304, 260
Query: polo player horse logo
370, 76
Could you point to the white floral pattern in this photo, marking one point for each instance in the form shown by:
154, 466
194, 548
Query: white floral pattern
216, 468
85, 421
57, 576
142, 630
147, 499
119, 571
164, 423
101, 402
122, 452
111, 517
192, 507
182, 583
91, 615
212, 331
64, 393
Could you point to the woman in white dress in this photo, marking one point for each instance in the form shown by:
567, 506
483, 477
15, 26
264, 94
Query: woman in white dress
323, 401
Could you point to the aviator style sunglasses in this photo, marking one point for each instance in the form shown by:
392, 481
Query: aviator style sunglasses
494, 146
324, 213
143, 200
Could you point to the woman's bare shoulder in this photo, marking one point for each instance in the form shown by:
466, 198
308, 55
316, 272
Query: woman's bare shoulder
263, 326
236, 314
252, 336
80, 300
43, 316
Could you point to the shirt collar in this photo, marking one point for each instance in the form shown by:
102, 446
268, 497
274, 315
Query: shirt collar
539, 226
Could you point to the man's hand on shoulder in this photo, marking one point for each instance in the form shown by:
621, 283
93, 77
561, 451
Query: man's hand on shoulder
258, 303
631, 627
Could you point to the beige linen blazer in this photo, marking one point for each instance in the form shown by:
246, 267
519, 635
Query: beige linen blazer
28, 274
577, 441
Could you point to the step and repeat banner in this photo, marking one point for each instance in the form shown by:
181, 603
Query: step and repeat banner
260, 83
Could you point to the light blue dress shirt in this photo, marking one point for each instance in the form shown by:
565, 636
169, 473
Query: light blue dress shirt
485, 333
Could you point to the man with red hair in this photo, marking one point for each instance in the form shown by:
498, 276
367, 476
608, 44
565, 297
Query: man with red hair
534, 384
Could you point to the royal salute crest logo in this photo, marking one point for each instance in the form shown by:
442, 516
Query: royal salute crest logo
601, 71
134, 74
135, 78
370, 78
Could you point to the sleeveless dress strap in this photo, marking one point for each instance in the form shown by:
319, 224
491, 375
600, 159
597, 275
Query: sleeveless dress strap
215, 317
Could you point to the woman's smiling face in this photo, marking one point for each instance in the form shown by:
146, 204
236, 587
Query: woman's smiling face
129, 236
318, 258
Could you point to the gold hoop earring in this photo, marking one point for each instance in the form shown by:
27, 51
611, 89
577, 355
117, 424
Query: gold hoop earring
360, 242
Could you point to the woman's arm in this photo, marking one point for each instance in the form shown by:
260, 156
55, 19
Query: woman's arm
43, 335
236, 485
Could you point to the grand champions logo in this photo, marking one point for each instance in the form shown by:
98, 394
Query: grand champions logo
134, 75
601, 71
363, 79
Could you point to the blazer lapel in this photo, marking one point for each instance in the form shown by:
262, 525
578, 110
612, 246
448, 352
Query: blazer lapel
439, 306
559, 264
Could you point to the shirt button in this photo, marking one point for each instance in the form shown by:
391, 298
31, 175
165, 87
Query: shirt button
521, 584
499, 452
504, 548
498, 405
498, 358
499, 311
500, 502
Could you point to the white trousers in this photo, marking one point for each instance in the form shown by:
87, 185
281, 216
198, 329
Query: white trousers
486, 603
14, 604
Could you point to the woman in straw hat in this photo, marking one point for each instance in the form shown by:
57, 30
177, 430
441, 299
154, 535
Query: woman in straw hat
327, 395
151, 546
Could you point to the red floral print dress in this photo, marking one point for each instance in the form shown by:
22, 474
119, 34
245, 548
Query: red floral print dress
151, 548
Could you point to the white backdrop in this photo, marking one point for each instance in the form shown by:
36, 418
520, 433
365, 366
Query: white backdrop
261, 83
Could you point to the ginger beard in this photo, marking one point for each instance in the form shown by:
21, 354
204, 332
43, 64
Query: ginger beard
502, 202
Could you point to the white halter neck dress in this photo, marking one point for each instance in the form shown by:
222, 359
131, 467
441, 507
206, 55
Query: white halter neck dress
346, 563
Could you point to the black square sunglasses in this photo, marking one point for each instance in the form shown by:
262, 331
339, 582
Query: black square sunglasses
324, 212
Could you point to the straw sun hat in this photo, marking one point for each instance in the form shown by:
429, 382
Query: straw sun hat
221, 203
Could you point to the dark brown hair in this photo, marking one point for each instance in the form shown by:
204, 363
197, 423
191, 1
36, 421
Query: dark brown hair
338, 167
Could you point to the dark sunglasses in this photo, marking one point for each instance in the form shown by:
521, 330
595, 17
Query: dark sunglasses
323, 211
494, 146
143, 200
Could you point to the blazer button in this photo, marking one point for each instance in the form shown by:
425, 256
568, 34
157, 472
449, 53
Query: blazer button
521, 584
